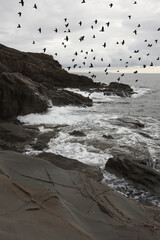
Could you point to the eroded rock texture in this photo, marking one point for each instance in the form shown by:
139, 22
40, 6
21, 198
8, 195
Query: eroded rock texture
39, 200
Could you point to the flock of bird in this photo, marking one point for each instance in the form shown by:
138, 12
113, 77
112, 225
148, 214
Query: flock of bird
91, 64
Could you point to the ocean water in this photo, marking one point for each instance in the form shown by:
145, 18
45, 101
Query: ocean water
103, 119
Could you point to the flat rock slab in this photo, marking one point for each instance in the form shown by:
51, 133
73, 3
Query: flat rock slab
41, 201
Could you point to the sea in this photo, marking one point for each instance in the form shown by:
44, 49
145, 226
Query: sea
101, 120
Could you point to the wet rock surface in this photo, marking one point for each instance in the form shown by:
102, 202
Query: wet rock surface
40, 199
143, 176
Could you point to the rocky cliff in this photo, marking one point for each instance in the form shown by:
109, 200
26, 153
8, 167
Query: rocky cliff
29, 80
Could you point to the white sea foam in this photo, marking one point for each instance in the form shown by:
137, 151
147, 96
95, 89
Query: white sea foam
139, 91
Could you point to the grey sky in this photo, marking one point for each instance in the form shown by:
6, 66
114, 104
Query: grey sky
51, 13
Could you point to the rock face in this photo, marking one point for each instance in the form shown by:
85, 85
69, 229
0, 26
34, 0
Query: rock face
41, 200
29, 80
140, 174
119, 89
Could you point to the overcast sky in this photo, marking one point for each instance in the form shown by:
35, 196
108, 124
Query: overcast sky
50, 14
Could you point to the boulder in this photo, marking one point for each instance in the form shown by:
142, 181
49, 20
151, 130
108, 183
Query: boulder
77, 133
143, 176
61, 97
41, 200
119, 89
16, 137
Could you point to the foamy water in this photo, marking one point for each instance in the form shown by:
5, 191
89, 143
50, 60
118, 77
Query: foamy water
96, 122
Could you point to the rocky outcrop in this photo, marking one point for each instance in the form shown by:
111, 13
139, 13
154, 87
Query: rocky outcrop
29, 80
141, 175
41, 68
119, 89
20, 96
41, 200
16, 137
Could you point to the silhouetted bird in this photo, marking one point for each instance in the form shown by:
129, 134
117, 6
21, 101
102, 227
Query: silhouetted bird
65, 19
95, 21
158, 29
156, 40
151, 64
66, 38
118, 79
83, 1
56, 30
68, 68
44, 49
39, 30
157, 58
144, 66
135, 72
20, 14
149, 45
22, 2
35, 6
91, 65
138, 25
108, 23
66, 25
111, 5
93, 36
135, 2
129, 16
104, 45
123, 42
18, 26
33, 42
135, 32
102, 29
80, 23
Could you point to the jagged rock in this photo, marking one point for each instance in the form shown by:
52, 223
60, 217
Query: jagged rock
16, 137
62, 97
41, 200
29, 80
77, 133
43, 140
145, 177
119, 89
20, 96
136, 153
130, 122
41, 68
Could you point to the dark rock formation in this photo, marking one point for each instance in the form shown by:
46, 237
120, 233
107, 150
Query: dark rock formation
129, 122
77, 133
29, 80
145, 177
20, 96
16, 137
41, 200
119, 89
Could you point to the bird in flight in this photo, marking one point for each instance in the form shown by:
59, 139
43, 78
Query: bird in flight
39, 30
22, 2
44, 49
111, 5
20, 14
35, 6
19, 26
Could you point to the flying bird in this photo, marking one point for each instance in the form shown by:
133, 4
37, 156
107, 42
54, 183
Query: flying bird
39, 30
104, 45
44, 49
33, 42
102, 29
83, 1
18, 26
35, 6
135, 32
111, 5
22, 2
20, 14
80, 23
